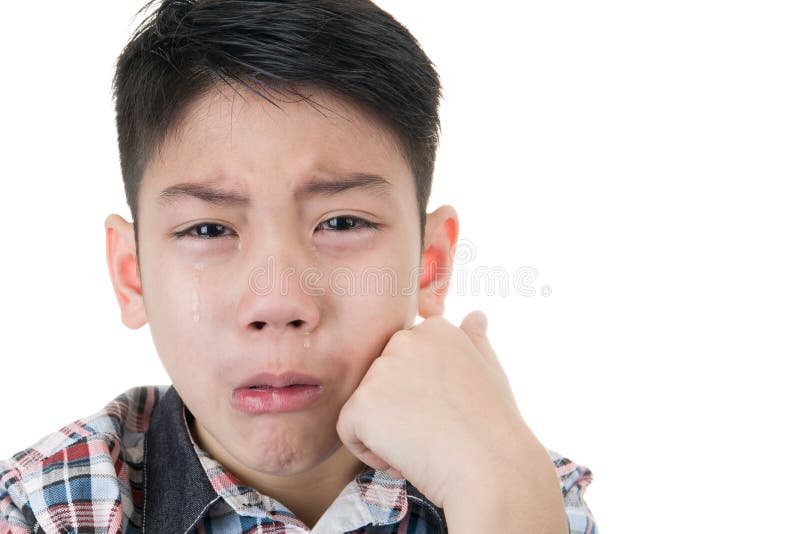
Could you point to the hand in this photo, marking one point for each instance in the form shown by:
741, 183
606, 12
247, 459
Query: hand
435, 408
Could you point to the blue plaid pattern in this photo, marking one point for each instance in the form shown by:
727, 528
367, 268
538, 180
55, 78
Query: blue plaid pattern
127, 467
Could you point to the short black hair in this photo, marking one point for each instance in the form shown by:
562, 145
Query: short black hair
352, 48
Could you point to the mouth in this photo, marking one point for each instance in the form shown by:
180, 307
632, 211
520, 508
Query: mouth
259, 400
288, 379
281, 387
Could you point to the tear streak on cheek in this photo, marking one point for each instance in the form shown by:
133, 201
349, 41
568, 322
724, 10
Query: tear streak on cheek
197, 274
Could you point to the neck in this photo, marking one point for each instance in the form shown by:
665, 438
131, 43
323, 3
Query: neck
307, 495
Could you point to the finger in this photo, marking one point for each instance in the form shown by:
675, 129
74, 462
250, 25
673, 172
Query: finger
373, 460
377, 463
394, 473
347, 428
474, 325
363, 453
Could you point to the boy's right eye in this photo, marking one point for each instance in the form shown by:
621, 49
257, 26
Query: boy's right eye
205, 230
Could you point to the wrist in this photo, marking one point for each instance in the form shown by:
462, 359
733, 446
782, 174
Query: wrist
489, 460
512, 490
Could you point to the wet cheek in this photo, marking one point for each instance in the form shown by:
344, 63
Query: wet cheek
177, 312
193, 295
182, 296
197, 275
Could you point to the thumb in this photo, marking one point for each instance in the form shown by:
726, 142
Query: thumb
474, 325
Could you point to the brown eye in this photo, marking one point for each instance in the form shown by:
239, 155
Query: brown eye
345, 224
205, 231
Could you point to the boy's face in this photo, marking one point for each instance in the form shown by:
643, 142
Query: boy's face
223, 309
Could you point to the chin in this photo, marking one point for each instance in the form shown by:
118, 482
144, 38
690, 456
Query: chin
282, 466
287, 457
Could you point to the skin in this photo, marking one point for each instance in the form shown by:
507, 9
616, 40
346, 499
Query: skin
213, 330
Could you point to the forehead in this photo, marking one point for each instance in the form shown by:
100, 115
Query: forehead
233, 136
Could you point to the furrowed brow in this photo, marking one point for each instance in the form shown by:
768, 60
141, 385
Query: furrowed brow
206, 192
212, 194
369, 183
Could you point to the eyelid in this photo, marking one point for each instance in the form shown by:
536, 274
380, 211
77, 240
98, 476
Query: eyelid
363, 224
187, 232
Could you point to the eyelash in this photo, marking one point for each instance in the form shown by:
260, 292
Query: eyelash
358, 221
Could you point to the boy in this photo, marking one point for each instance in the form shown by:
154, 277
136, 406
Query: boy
277, 159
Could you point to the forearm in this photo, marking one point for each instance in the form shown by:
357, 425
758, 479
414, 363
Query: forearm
520, 494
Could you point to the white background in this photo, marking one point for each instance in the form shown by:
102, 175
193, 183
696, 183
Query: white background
641, 156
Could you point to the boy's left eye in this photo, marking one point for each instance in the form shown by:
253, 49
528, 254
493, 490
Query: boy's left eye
345, 223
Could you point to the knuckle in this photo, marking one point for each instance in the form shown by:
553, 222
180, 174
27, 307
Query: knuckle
380, 364
438, 320
400, 338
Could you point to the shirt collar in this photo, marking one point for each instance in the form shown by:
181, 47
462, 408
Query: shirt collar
174, 462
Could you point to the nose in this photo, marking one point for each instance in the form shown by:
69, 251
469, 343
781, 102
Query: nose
275, 299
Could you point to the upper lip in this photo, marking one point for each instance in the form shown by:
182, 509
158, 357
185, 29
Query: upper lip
287, 378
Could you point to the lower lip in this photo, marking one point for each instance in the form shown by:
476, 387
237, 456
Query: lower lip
275, 400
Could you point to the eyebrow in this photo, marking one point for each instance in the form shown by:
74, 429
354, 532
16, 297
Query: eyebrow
213, 194
209, 193
369, 183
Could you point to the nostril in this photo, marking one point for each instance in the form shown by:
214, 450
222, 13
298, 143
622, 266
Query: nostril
259, 325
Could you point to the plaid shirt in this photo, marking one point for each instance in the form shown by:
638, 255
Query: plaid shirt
127, 468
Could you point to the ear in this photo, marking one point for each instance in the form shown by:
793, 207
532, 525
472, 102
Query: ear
439, 243
121, 258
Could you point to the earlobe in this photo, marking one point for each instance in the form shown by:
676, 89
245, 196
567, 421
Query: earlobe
124, 272
441, 234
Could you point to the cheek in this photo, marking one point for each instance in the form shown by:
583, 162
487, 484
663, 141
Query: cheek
364, 324
177, 301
